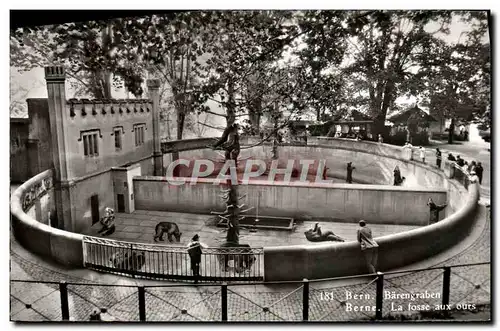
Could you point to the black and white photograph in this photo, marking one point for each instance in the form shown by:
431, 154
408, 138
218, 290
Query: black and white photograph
221, 166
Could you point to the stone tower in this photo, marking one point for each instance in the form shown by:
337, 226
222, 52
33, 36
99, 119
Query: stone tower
55, 77
153, 89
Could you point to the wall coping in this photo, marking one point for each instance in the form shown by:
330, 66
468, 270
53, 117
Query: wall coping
442, 226
17, 210
449, 221
365, 187
105, 101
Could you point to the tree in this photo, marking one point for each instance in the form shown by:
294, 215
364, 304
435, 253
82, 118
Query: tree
176, 57
19, 94
99, 55
239, 45
459, 77
322, 82
385, 48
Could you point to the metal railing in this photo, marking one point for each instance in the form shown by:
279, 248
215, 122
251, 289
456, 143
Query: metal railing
172, 262
378, 296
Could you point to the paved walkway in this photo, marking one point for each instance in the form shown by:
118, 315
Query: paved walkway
469, 151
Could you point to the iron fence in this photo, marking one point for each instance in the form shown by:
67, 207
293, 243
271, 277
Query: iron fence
380, 296
172, 262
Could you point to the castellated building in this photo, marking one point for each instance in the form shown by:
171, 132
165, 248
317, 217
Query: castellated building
94, 147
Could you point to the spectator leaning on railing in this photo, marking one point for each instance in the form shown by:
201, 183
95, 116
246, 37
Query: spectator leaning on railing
479, 172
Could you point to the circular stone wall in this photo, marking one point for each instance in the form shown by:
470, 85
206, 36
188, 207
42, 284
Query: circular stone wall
300, 261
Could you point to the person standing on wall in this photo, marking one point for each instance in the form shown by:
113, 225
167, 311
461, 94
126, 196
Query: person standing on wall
397, 177
422, 153
350, 168
380, 138
195, 252
368, 246
434, 211
438, 158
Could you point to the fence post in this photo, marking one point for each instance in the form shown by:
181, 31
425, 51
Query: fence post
446, 285
380, 295
305, 300
142, 303
224, 301
63, 290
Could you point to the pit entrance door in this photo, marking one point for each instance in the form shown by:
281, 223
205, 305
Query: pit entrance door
94, 207
121, 203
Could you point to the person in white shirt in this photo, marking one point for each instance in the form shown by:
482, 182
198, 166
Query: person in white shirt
422, 153
465, 167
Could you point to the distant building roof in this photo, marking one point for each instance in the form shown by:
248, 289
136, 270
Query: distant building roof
402, 117
350, 115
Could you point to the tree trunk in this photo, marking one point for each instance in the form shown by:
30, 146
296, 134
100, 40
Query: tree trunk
233, 231
254, 117
181, 116
379, 121
167, 121
275, 135
107, 84
451, 131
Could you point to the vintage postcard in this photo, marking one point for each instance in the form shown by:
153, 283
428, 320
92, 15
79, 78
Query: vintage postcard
249, 166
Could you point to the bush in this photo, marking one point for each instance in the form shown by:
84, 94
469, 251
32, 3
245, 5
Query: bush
399, 139
444, 137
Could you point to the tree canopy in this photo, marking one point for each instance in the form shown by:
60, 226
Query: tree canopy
255, 62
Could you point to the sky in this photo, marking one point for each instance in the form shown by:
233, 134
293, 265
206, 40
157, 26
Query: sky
34, 79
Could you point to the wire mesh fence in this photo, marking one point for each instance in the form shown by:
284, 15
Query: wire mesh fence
382, 296
280, 304
345, 303
197, 304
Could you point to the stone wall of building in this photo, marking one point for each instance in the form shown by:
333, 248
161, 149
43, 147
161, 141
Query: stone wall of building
106, 118
40, 135
30, 144
19, 165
